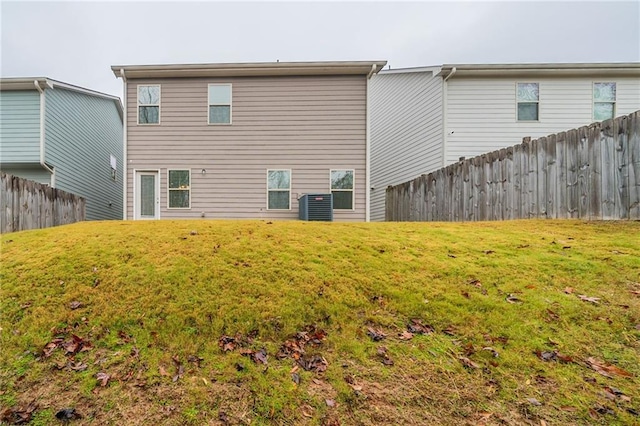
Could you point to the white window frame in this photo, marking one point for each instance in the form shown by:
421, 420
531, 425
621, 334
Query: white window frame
353, 190
527, 102
138, 104
279, 190
169, 189
593, 99
209, 104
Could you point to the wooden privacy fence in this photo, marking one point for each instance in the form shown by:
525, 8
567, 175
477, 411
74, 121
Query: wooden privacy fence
30, 205
592, 172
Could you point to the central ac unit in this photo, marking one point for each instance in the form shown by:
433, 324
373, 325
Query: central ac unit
316, 207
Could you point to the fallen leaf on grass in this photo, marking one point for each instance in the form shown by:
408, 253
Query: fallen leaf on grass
493, 351
330, 402
195, 360
417, 327
450, 331
553, 356
18, 415
259, 357
488, 251
584, 298
296, 378
534, 401
315, 363
227, 343
103, 378
467, 362
382, 353
552, 315
568, 290
75, 305
475, 283
76, 366
607, 370
307, 410
67, 414
375, 334
162, 370
512, 298
405, 335
600, 409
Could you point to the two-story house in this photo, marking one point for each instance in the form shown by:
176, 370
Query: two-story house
64, 136
246, 140
427, 118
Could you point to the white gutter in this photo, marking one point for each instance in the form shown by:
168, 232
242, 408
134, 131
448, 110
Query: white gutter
367, 173
42, 112
445, 134
124, 147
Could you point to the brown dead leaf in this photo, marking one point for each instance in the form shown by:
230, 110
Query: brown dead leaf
405, 335
416, 326
307, 410
75, 305
315, 363
534, 401
594, 300
103, 378
18, 415
468, 363
162, 370
512, 298
376, 334
607, 370
568, 290
450, 330
330, 402
475, 283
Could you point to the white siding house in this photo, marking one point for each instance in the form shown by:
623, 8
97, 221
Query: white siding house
484, 108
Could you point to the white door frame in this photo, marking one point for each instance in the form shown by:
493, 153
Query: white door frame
136, 189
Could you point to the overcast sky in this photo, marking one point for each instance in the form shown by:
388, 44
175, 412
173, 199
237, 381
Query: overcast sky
77, 42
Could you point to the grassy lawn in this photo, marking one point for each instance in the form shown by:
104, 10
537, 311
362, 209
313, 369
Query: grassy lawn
253, 322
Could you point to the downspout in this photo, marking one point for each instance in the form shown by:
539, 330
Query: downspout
367, 173
445, 134
44, 165
125, 172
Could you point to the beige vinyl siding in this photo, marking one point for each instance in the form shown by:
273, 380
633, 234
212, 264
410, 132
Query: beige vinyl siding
481, 113
306, 124
406, 131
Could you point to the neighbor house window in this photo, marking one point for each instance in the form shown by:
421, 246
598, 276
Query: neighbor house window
114, 165
604, 101
219, 104
342, 189
149, 104
179, 189
528, 101
279, 189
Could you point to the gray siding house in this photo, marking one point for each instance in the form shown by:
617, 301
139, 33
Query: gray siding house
427, 118
246, 140
64, 136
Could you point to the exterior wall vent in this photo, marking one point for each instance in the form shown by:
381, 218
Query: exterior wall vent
316, 207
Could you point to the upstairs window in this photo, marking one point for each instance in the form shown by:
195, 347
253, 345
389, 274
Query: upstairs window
219, 104
528, 98
342, 189
149, 104
279, 189
604, 101
179, 189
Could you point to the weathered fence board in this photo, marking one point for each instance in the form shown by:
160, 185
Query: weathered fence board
30, 205
592, 172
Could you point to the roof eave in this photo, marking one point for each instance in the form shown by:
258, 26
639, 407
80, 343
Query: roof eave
249, 69
565, 69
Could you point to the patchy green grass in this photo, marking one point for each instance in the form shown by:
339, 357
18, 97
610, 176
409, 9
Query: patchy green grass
155, 298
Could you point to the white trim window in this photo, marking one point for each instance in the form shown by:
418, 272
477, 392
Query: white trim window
604, 101
278, 189
528, 100
149, 104
220, 104
342, 188
179, 188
